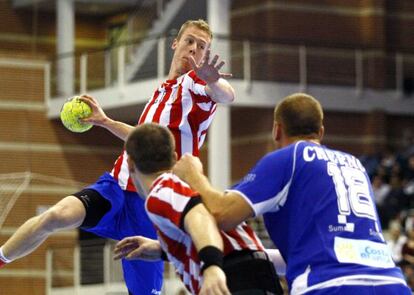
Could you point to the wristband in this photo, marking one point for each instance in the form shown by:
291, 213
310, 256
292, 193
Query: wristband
209, 256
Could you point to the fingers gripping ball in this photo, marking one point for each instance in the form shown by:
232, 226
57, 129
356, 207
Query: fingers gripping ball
72, 111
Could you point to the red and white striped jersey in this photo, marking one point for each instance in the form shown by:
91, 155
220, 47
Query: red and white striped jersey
184, 107
165, 205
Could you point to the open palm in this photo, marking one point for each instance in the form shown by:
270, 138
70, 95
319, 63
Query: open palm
209, 71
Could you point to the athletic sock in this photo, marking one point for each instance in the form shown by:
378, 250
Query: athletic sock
3, 259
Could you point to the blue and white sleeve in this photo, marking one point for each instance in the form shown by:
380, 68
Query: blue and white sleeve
266, 186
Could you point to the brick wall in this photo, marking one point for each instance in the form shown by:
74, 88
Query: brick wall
382, 27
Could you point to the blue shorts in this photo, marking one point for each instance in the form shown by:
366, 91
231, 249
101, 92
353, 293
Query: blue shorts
393, 289
127, 217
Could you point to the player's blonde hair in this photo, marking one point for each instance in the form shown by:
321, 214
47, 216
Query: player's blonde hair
200, 24
300, 115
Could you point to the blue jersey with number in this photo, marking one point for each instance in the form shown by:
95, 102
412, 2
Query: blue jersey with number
319, 210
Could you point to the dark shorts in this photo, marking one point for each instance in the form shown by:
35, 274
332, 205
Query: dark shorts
116, 214
251, 273
95, 205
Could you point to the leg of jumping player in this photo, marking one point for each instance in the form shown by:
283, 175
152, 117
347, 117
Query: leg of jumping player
68, 213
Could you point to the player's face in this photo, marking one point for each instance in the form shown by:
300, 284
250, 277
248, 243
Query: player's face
193, 42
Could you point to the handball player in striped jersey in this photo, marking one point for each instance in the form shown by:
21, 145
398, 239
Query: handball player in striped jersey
111, 208
187, 233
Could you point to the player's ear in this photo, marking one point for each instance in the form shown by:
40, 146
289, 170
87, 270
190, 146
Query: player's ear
321, 133
175, 156
276, 132
131, 165
174, 44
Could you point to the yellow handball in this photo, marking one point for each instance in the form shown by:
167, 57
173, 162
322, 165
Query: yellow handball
73, 110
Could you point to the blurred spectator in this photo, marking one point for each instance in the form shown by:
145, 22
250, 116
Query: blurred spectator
371, 163
408, 172
407, 263
393, 203
408, 181
381, 189
396, 240
409, 220
408, 271
408, 249
382, 172
392, 176
388, 159
396, 170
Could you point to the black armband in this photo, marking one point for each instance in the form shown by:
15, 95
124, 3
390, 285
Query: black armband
209, 256
164, 256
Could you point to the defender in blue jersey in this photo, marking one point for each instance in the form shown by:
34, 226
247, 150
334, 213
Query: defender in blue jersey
317, 205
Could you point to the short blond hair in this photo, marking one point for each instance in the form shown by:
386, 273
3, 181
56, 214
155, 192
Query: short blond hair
300, 115
200, 24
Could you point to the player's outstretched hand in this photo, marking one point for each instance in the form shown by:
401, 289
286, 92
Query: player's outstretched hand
188, 167
98, 116
209, 70
138, 247
214, 282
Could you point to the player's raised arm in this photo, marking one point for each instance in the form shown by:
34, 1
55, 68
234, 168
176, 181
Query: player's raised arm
209, 71
99, 118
